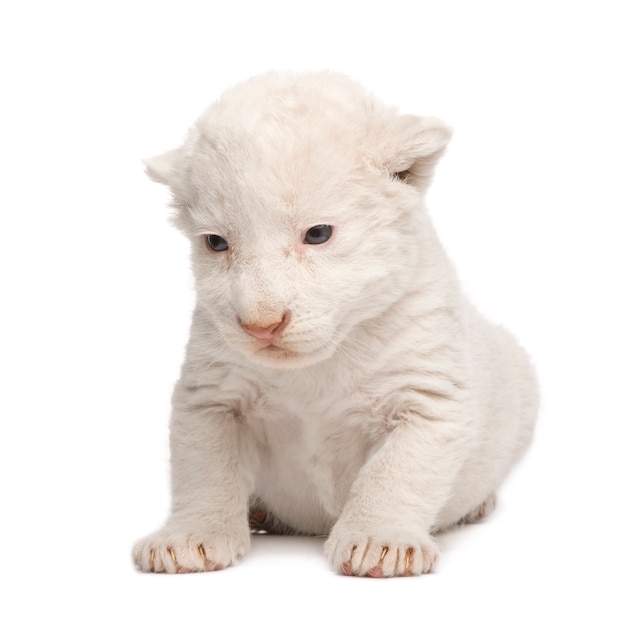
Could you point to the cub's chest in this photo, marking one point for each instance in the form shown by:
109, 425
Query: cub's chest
311, 424
311, 443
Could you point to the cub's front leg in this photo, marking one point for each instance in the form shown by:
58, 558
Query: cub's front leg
385, 527
208, 527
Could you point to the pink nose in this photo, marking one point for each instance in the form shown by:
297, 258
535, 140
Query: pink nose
268, 333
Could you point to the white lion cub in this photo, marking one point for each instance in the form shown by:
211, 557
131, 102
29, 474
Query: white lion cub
337, 381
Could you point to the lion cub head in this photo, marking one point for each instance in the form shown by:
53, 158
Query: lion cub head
302, 196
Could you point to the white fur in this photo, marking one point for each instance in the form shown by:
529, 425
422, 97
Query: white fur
388, 408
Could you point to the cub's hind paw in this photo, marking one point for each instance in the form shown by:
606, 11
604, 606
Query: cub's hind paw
481, 511
182, 553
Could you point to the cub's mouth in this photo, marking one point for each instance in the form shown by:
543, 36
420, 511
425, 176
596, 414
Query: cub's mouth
274, 355
279, 342
276, 351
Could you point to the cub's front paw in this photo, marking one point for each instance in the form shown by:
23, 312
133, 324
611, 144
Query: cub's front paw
359, 554
180, 552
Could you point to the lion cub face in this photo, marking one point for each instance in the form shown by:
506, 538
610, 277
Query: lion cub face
302, 210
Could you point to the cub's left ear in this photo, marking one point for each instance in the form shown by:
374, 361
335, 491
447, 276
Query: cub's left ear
164, 167
413, 147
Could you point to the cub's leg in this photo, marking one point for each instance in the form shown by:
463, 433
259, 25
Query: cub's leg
384, 528
208, 526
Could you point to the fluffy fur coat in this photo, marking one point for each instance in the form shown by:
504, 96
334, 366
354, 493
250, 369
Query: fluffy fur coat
337, 381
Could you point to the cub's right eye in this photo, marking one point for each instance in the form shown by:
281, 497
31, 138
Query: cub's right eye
216, 243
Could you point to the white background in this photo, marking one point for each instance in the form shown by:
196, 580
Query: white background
96, 296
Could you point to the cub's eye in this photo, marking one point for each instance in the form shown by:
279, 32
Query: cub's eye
216, 243
318, 234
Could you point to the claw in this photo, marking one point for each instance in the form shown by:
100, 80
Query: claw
383, 554
172, 555
408, 559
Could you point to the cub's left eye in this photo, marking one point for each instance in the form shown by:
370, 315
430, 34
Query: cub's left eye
318, 234
216, 243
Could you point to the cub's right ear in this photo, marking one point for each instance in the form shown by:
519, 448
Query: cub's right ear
413, 146
164, 167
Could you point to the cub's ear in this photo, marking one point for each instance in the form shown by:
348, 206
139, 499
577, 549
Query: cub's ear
164, 167
413, 147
